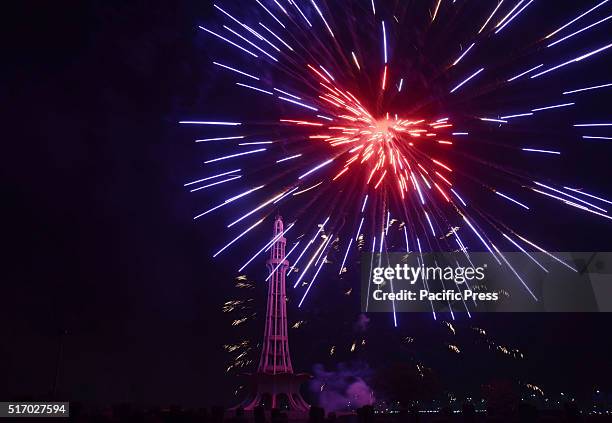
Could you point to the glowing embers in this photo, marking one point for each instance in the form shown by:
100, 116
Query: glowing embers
378, 148
381, 149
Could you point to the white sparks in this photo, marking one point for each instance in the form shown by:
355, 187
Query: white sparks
466, 80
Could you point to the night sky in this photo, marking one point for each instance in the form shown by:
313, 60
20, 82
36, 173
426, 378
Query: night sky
99, 232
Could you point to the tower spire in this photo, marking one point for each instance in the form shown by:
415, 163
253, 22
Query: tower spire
275, 356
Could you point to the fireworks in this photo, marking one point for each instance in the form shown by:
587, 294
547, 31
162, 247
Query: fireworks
494, 346
240, 355
351, 142
534, 388
454, 348
450, 327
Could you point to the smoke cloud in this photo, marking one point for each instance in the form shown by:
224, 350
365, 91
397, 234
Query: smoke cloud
341, 389
362, 323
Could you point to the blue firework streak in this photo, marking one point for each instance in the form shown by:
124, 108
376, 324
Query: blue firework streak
398, 125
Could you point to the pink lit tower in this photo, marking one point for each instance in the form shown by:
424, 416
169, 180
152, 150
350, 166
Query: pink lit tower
275, 385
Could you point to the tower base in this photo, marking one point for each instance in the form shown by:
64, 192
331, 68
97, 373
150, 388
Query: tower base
280, 390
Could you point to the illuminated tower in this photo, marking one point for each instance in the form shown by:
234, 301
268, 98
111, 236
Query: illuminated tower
275, 350
275, 385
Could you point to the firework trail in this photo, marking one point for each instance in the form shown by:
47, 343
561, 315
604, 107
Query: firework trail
376, 125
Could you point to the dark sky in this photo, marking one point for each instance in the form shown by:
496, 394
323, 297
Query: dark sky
98, 234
